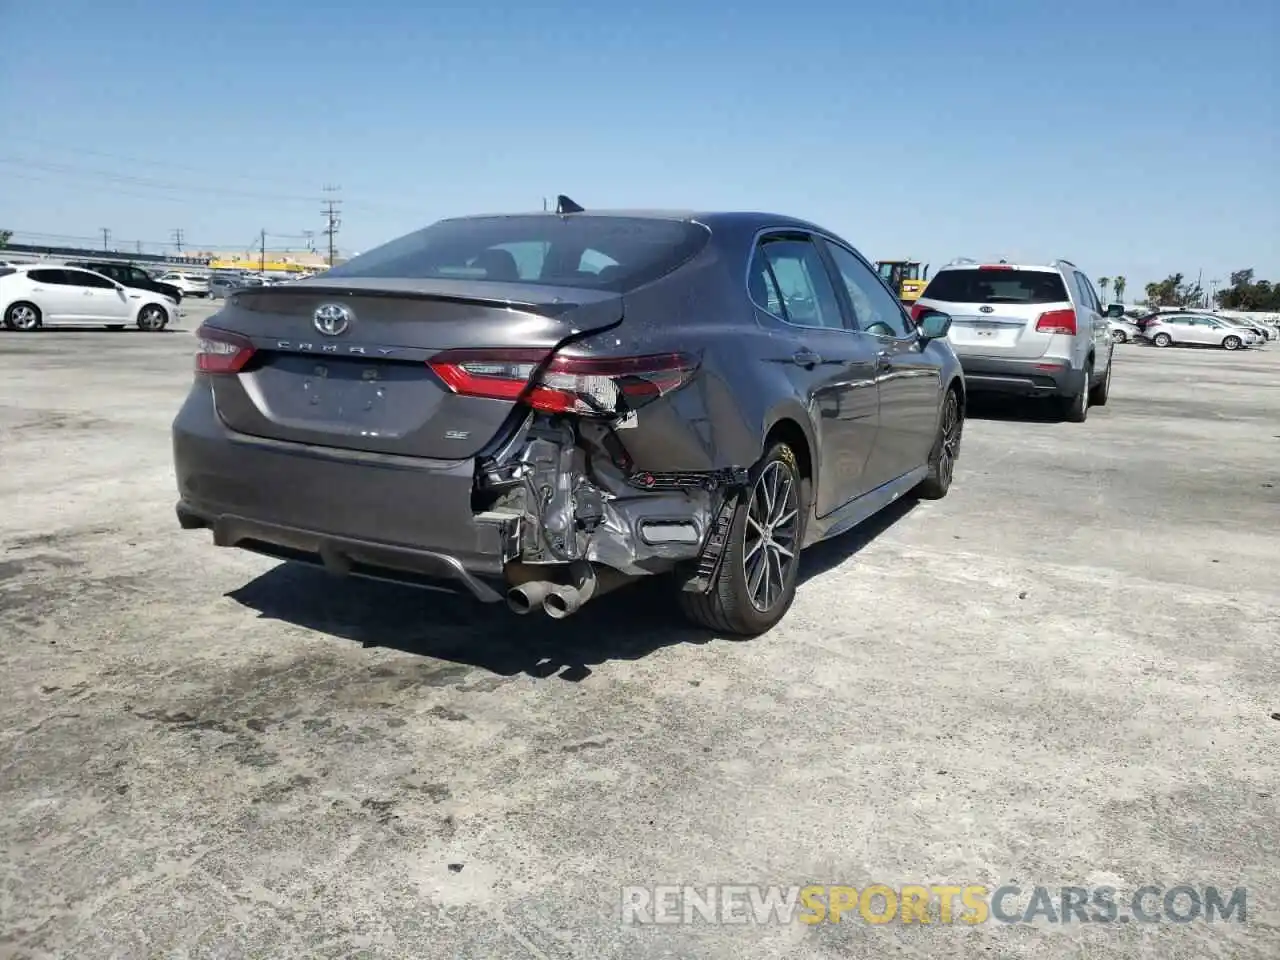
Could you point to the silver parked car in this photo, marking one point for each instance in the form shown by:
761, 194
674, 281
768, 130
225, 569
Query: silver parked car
1259, 330
1198, 330
1027, 329
1124, 330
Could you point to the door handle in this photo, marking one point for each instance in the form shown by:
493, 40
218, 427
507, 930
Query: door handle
806, 358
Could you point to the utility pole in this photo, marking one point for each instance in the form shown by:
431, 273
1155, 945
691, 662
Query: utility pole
309, 238
332, 222
262, 251
139, 246
106, 238
177, 239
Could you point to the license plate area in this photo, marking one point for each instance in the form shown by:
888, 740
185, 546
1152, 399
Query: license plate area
980, 331
347, 395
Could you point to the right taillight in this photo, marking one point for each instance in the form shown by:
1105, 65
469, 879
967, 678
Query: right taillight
221, 351
1057, 321
601, 386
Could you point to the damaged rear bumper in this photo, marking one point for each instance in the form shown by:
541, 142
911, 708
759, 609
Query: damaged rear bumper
553, 498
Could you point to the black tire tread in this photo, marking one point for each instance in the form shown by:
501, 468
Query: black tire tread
722, 608
932, 486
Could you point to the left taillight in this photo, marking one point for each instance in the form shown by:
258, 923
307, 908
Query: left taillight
221, 351
589, 386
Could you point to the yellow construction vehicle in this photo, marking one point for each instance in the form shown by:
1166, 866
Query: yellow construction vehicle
907, 278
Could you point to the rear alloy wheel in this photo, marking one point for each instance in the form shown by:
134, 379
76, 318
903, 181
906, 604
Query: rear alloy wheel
756, 582
1231, 343
1075, 409
152, 318
22, 316
1119, 336
946, 448
1100, 391
1162, 340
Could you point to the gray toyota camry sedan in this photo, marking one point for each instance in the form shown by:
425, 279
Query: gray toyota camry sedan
538, 408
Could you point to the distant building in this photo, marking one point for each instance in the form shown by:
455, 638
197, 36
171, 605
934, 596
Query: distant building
274, 261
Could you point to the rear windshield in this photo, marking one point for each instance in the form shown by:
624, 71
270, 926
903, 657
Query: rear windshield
997, 286
607, 253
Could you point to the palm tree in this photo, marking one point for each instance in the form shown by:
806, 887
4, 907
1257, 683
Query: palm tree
1119, 286
1103, 283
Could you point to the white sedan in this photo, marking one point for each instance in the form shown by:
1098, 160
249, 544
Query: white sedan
36, 295
191, 284
1198, 330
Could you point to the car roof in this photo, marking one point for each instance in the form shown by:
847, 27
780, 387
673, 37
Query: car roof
973, 265
711, 218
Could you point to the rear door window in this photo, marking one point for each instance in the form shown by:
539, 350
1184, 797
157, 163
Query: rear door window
999, 285
788, 279
48, 276
1089, 296
80, 278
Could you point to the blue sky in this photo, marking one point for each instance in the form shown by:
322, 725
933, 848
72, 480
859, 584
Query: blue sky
1136, 138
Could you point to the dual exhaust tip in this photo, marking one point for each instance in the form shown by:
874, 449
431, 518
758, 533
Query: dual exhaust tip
560, 600
556, 600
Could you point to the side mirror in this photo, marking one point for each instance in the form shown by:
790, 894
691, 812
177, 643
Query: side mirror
933, 324
1115, 311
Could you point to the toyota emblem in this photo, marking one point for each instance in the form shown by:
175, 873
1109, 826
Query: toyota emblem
332, 319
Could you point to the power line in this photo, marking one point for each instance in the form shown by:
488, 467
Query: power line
151, 162
39, 238
145, 182
135, 183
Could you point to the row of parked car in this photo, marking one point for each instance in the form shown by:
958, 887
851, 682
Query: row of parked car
1193, 329
35, 295
111, 293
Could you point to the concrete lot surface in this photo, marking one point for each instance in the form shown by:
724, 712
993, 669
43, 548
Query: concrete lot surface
1065, 674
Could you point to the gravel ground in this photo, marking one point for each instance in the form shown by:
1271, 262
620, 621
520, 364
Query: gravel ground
1065, 673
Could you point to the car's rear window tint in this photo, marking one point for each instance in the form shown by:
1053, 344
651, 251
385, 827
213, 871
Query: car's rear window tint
997, 286
608, 253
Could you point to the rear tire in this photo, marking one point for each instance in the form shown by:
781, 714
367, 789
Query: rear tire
756, 583
1100, 392
1162, 340
23, 316
1119, 336
1075, 409
946, 449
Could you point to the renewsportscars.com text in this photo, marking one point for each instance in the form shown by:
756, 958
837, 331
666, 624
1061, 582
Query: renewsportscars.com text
930, 904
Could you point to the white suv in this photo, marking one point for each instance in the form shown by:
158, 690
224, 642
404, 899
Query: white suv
1027, 329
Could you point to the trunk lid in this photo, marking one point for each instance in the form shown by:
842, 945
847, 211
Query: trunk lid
344, 363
